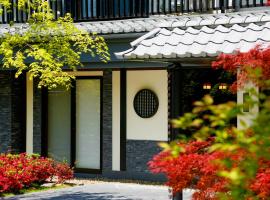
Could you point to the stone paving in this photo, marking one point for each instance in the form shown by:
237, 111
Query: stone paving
102, 191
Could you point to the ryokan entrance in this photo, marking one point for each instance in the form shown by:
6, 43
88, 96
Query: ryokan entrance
73, 123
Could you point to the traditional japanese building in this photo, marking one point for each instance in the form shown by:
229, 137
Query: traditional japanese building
110, 122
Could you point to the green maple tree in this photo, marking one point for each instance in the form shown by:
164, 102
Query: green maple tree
48, 48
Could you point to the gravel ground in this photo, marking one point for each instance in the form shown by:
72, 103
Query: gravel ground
102, 191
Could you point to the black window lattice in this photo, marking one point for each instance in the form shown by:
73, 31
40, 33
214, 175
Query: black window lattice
146, 103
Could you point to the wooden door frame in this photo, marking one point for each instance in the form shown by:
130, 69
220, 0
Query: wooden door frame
44, 125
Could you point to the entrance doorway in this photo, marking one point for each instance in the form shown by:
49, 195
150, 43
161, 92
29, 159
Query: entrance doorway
73, 121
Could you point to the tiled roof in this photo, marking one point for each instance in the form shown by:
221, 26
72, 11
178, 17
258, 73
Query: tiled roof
148, 24
202, 36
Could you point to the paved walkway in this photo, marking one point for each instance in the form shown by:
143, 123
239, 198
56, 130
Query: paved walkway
102, 191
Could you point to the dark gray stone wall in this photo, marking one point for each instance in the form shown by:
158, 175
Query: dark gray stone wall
139, 153
12, 112
18, 114
37, 119
107, 121
5, 111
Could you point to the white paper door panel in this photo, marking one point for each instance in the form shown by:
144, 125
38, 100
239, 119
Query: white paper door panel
59, 124
88, 123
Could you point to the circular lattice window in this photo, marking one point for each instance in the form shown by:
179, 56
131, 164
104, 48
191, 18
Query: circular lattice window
145, 103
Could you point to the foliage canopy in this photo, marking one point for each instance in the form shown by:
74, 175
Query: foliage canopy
219, 160
48, 45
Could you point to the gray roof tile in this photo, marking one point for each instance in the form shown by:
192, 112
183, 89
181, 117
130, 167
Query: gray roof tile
208, 36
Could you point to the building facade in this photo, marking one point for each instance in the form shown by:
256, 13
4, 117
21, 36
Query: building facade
110, 122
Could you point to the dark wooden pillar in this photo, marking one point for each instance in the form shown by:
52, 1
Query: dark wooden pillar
175, 92
175, 108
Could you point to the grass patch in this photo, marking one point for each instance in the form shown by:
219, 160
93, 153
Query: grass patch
37, 188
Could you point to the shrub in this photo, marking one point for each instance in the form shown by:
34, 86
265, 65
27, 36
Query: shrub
195, 167
236, 164
22, 171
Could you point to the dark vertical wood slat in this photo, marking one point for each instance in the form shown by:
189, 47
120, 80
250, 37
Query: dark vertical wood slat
73, 10
107, 9
164, 6
124, 6
86, 9
136, 10
31, 11
67, 6
117, 10
170, 6
23, 110
152, 7
227, 6
131, 13
80, 9
188, 9
261, 2
26, 11
77, 10
110, 8
208, 5
247, 2
56, 9
213, 5
182, 5
4, 15
21, 15
142, 6
73, 124
44, 122
10, 16
123, 120
60, 8
147, 8
221, 6
98, 8
175, 6
104, 8
51, 5
103, 14
158, 6
194, 3
16, 10
233, 4
200, 6
92, 8
101, 120
75, 13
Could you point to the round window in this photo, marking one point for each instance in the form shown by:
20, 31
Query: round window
146, 103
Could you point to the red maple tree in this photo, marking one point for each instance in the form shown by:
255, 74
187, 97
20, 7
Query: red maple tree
247, 66
196, 167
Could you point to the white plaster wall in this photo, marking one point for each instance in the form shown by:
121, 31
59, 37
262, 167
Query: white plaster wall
248, 116
156, 127
116, 121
